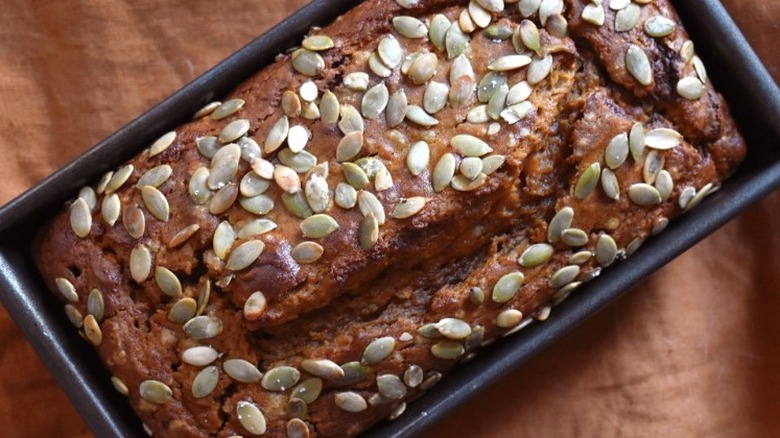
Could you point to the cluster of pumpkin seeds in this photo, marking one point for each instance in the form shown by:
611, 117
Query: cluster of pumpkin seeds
309, 192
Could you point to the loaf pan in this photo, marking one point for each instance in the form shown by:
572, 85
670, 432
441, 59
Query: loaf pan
752, 94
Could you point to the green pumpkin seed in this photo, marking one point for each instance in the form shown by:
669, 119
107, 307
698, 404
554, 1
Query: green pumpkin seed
701, 71
198, 187
297, 138
119, 385
497, 103
324, 368
489, 84
291, 104
307, 62
447, 350
96, 306
653, 164
224, 237
535, 255
574, 237
223, 199
351, 120
242, 371
251, 418
634, 246
580, 258
453, 328
89, 196
659, 26
383, 180
140, 263
561, 221
509, 318
391, 386
644, 195
309, 390
255, 305
119, 178
429, 331
256, 227
443, 172
455, 41
199, 356
506, 287
318, 226
368, 231
549, 8
234, 130
357, 81
529, 7
690, 88
206, 110
476, 295
287, 179
617, 5
492, 163
564, 276
660, 226
437, 32
636, 141
529, 35
134, 221
390, 52
479, 15
557, 26
297, 205
418, 115
74, 316
617, 151
698, 197
498, 32
492, 5
509, 63
587, 181
111, 209
253, 185
470, 146
203, 327
461, 91
350, 401
395, 112
368, 203
224, 166
435, 98
345, 196
205, 382
183, 310
610, 184
685, 196
318, 43
92, 330
517, 112
329, 107
260, 204
203, 297
606, 250
463, 184
410, 27
155, 391
519, 93
664, 184
471, 167
627, 18
227, 109
307, 252
418, 158
539, 69
167, 281
155, 176
478, 114
408, 207
378, 350
80, 218
297, 409
277, 135
433, 378
280, 378
244, 255
638, 65
663, 138
413, 376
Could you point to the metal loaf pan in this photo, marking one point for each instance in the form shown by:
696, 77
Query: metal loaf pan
752, 94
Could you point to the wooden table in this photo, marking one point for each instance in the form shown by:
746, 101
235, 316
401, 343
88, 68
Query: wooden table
694, 352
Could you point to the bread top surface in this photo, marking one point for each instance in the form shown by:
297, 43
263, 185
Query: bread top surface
401, 260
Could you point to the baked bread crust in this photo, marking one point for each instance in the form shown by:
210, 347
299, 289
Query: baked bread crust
382, 308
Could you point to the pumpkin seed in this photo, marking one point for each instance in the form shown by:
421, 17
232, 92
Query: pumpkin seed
489, 84
203, 297
408, 207
291, 104
395, 112
357, 81
205, 382
470, 146
587, 181
280, 378
627, 18
492, 163
617, 151
696, 199
528, 7
300, 162
167, 281
492, 5
297, 408
307, 62
634, 246
418, 158
383, 180
80, 218
663, 138
345, 196
690, 88
251, 418
110, 209
455, 41
203, 327
119, 385
638, 65
206, 110
368, 231
155, 391
463, 184
67, 289
478, 114
574, 237
310, 111
509, 318
140, 263
287, 179
198, 186
318, 226
617, 5
351, 120
453, 328
701, 71
391, 386
375, 101
119, 178
535, 255
260, 204
317, 193
557, 26
256, 227
224, 237
199, 356
297, 205
253, 185
244, 255
378, 67
539, 69
509, 62
564, 276
297, 138
497, 103
368, 203
96, 306
410, 27
610, 184
255, 305
309, 390
89, 196
317, 43
250, 150
223, 199
580, 258
644, 195
234, 130
471, 167
324, 368
155, 176
183, 310
350, 401
479, 15
529, 35
433, 378
418, 115
476, 295
664, 184
498, 32
134, 221
277, 135
443, 172
659, 26
378, 350
548, 8
507, 287
224, 166
606, 250
354, 372
461, 91
227, 109
437, 31
685, 196
435, 98
636, 141
660, 226
517, 112
519, 93
355, 176
307, 252
653, 164
390, 52
559, 222
447, 350
92, 330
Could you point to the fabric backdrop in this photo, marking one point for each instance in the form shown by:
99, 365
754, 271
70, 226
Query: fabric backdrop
693, 351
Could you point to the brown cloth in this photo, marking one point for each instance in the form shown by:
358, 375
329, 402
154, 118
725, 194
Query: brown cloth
692, 351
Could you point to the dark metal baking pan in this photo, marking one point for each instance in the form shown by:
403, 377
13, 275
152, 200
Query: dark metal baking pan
753, 96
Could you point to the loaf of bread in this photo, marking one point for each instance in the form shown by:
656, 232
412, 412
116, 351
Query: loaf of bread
418, 179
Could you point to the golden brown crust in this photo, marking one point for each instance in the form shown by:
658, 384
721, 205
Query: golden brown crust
417, 288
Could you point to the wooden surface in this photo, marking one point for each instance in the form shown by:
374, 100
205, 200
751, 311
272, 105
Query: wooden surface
694, 351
